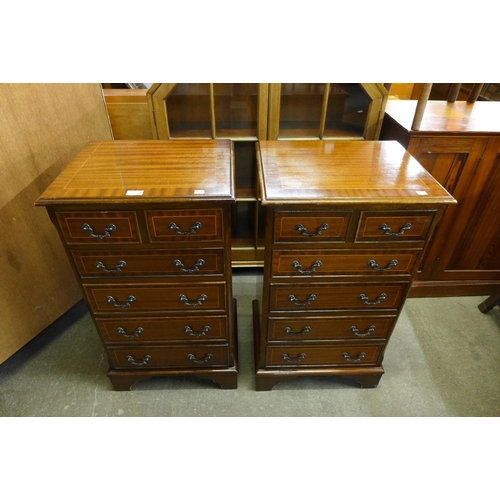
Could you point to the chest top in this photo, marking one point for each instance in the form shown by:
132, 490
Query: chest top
146, 171
344, 172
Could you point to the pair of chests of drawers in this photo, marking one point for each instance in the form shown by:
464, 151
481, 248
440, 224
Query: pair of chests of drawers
156, 283
337, 282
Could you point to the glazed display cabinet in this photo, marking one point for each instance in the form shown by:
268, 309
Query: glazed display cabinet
246, 113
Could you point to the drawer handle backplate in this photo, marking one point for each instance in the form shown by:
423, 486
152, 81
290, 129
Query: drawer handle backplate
174, 227
107, 231
375, 267
293, 299
194, 359
190, 331
387, 230
201, 299
121, 264
136, 333
127, 302
368, 331
144, 361
196, 267
365, 299
304, 330
295, 264
298, 359
303, 230
359, 357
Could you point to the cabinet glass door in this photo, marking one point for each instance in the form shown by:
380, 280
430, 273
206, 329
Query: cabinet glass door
325, 110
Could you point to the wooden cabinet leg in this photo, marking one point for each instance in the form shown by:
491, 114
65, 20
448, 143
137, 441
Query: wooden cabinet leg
490, 302
125, 382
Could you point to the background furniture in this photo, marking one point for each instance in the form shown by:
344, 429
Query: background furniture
245, 113
459, 144
146, 227
490, 302
43, 126
347, 224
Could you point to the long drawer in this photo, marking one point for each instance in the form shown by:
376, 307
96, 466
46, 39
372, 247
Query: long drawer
186, 298
307, 328
314, 355
340, 296
147, 329
106, 263
195, 356
297, 263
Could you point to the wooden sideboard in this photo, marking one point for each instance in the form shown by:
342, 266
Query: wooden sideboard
459, 144
347, 223
146, 227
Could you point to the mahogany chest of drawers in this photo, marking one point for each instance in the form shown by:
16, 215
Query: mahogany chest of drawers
347, 222
146, 226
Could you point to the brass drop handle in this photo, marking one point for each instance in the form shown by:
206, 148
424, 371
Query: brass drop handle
387, 230
196, 267
136, 333
119, 266
365, 299
359, 357
203, 332
308, 301
174, 227
107, 231
297, 266
290, 331
200, 300
144, 361
127, 302
368, 331
303, 230
298, 359
194, 359
375, 266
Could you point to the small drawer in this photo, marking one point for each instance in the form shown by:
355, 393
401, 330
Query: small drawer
306, 328
185, 225
295, 263
311, 226
315, 355
150, 263
202, 328
99, 227
394, 227
186, 298
193, 357
338, 297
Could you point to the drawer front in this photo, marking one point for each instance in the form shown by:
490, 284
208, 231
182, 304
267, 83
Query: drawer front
394, 226
306, 328
186, 298
99, 227
142, 330
185, 225
315, 355
311, 226
194, 357
150, 263
343, 262
344, 296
